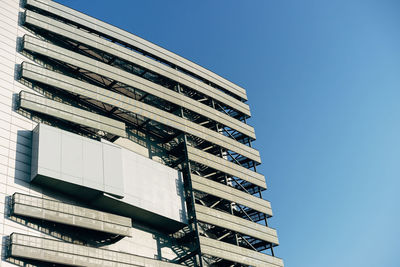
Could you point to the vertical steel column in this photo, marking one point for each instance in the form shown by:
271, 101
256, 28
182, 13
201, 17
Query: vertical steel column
190, 201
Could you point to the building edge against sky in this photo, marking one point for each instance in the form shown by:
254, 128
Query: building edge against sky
117, 152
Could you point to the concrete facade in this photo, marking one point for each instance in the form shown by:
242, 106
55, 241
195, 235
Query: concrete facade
117, 152
15, 155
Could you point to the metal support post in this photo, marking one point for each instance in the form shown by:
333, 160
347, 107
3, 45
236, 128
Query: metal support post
190, 200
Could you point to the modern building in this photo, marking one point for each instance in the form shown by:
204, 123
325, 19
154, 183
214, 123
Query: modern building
117, 152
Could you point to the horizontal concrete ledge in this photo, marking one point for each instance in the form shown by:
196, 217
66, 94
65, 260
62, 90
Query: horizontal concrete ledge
226, 166
229, 193
75, 86
53, 251
124, 36
81, 36
237, 224
56, 211
69, 113
237, 254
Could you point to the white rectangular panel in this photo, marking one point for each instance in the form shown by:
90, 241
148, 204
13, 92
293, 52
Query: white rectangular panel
62, 159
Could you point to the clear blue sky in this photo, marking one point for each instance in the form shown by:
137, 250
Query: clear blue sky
323, 80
